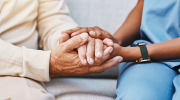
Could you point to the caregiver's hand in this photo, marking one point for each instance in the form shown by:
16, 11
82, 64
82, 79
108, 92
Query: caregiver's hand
65, 61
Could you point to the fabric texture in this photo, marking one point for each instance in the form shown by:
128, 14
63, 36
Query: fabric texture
18, 88
21, 23
147, 81
153, 80
18, 21
161, 22
82, 88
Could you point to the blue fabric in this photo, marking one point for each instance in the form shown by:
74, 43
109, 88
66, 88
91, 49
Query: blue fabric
154, 80
161, 22
147, 81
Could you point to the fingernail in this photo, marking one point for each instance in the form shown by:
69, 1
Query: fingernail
91, 61
92, 33
98, 54
111, 50
119, 58
84, 36
111, 43
85, 62
74, 33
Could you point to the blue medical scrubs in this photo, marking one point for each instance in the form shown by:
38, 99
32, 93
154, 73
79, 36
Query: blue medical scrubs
154, 80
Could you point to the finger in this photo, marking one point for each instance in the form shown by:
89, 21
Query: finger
106, 55
75, 42
90, 50
106, 65
108, 42
99, 33
96, 33
63, 38
70, 31
91, 31
82, 54
82, 30
105, 47
98, 48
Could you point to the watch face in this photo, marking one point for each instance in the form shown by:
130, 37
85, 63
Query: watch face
143, 60
142, 43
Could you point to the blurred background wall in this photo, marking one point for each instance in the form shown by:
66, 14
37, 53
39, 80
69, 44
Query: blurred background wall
107, 14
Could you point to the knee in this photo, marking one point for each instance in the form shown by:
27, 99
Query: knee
136, 92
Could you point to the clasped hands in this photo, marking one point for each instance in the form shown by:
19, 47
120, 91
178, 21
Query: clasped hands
83, 51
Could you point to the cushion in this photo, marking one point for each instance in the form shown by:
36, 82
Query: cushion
82, 88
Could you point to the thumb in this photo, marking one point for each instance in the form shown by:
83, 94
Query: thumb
106, 65
75, 42
64, 37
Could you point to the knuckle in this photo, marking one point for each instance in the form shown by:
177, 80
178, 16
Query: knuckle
79, 64
90, 29
91, 39
106, 39
63, 46
86, 71
82, 55
91, 42
101, 70
99, 33
89, 54
98, 61
99, 41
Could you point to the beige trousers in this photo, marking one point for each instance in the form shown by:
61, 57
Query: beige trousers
17, 88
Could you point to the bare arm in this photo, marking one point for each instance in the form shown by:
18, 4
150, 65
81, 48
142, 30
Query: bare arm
167, 50
130, 30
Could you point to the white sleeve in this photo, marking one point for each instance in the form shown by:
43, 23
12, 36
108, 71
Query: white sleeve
23, 62
52, 19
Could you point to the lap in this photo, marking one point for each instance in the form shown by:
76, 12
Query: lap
17, 88
145, 81
176, 83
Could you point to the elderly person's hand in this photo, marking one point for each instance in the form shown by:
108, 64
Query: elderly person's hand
94, 32
93, 51
98, 40
65, 61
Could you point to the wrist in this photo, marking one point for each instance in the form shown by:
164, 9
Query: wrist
130, 54
115, 40
51, 66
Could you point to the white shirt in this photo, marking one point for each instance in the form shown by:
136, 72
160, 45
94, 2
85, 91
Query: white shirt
21, 23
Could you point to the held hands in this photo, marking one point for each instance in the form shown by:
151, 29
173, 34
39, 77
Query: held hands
98, 34
94, 32
65, 61
94, 51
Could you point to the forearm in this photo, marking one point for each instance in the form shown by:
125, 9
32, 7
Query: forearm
167, 50
24, 62
130, 30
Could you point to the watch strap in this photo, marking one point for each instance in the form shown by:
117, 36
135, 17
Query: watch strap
144, 53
